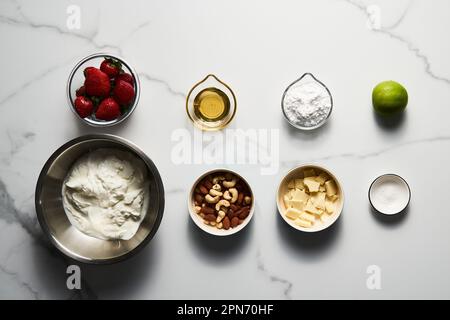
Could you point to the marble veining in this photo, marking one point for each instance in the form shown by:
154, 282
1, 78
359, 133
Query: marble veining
389, 31
362, 156
147, 77
274, 278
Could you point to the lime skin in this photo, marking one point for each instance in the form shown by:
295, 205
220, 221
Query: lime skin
389, 98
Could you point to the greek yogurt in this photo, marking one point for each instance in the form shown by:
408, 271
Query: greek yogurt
105, 194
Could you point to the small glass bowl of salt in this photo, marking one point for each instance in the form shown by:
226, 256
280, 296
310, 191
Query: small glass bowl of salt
307, 103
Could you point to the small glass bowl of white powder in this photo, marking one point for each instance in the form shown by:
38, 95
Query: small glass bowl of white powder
389, 194
307, 103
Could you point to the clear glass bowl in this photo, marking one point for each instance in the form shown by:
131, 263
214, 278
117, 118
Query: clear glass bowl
283, 104
211, 82
76, 80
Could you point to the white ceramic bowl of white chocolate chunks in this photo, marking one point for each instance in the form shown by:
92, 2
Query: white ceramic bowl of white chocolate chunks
310, 198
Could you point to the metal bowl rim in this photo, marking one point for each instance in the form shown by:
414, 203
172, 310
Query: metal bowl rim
151, 167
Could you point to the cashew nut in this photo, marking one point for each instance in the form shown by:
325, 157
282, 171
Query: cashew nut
211, 199
220, 216
222, 202
234, 194
215, 193
229, 184
247, 200
217, 179
219, 225
197, 209
227, 195
217, 187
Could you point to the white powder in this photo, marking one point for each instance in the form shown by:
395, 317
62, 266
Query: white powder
105, 194
389, 194
307, 103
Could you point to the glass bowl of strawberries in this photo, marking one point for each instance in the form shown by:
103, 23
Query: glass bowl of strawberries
103, 90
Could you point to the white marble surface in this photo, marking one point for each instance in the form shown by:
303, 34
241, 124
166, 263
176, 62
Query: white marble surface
258, 47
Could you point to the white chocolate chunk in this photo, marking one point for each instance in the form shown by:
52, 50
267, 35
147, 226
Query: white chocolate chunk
291, 184
303, 223
286, 200
297, 204
321, 178
292, 213
308, 217
334, 197
329, 206
331, 188
310, 200
299, 184
300, 195
311, 208
312, 184
318, 200
309, 173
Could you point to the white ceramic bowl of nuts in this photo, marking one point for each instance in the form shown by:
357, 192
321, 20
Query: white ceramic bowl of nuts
310, 198
221, 202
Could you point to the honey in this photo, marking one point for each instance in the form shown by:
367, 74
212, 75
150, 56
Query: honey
211, 104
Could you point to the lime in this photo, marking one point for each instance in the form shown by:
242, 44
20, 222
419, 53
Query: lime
389, 97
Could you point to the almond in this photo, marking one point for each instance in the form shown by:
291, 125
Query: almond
235, 207
234, 222
198, 198
203, 190
207, 210
210, 217
226, 223
240, 198
207, 184
231, 214
244, 213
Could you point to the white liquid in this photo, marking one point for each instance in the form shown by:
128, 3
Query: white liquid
389, 194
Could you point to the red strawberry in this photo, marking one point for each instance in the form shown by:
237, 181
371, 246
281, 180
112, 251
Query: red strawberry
81, 91
108, 110
86, 71
96, 82
111, 67
123, 92
125, 77
84, 106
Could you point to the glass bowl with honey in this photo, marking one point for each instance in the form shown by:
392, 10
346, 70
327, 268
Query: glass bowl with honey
211, 104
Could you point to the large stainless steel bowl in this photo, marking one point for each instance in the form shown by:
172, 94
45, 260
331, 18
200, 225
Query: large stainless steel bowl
54, 221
